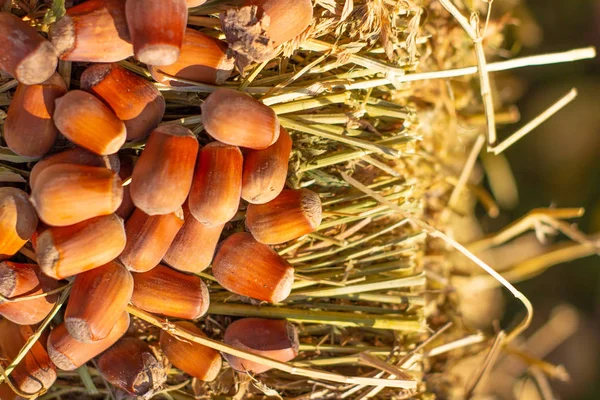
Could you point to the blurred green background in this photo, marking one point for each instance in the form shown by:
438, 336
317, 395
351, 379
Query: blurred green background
559, 164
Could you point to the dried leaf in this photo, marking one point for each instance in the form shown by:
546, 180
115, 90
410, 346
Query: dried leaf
7, 176
246, 35
329, 5
265, 389
386, 38
7, 154
348, 7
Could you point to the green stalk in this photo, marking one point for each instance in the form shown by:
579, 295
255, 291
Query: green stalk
417, 301
84, 374
328, 361
349, 257
5, 87
329, 252
395, 265
336, 130
308, 104
377, 185
328, 239
337, 118
377, 111
36, 336
369, 202
373, 213
347, 155
383, 350
408, 323
387, 284
324, 133
347, 307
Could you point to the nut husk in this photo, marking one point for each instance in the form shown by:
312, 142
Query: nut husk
132, 366
254, 30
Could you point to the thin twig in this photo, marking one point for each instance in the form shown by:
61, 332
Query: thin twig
453, 243
18, 299
472, 29
486, 367
466, 171
308, 372
35, 337
534, 123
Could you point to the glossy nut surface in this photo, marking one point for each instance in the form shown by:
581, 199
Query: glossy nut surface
133, 99
277, 339
66, 251
18, 220
265, 171
156, 28
67, 194
290, 215
202, 59
237, 119
76, 155
194, 246
162, 176
29, 129
168, 292
26, 55
249, 268
17, 280
93, 31
86, 121
149, 238
192, 358
215, 193
69, 354
98, 298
